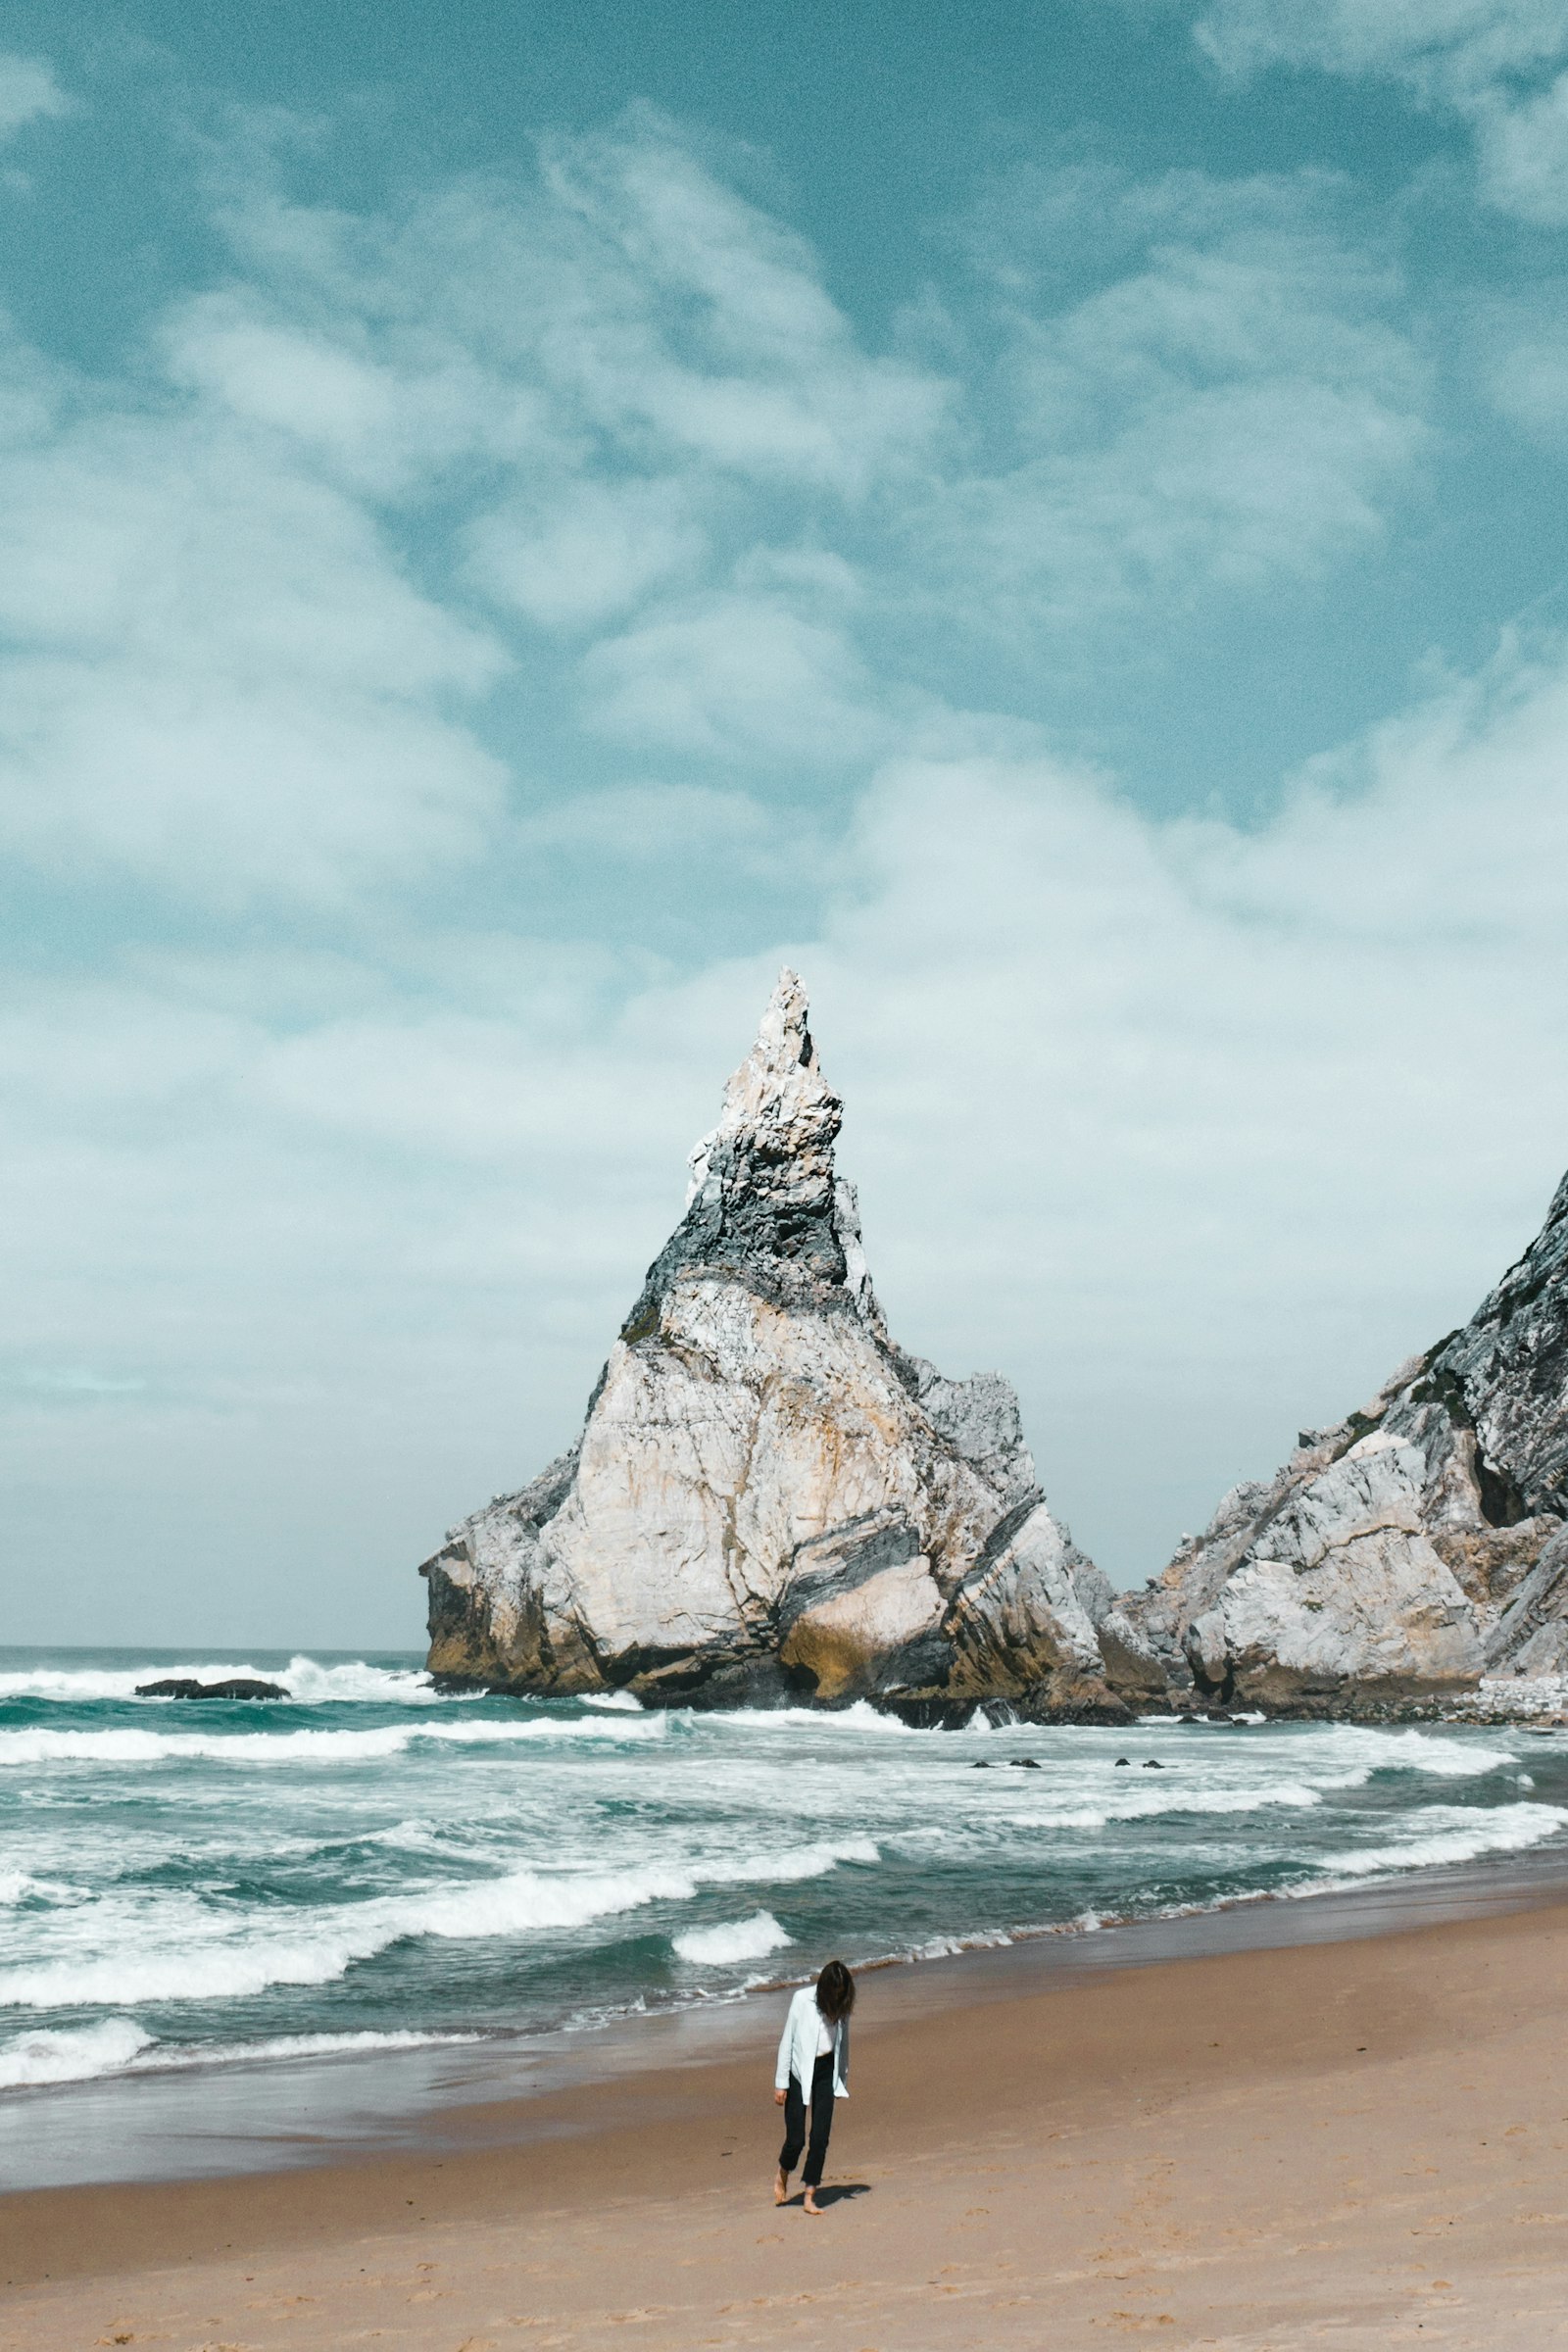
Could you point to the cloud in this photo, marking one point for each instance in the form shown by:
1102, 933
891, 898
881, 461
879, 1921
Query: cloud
219, 680
77, 1383
731, 675
29, 93
581, 555
1459, 49
1524, 367
1229, 404
639, 300
262, 594
242, 654
646, 823
386, 411
1524, 153
1474, 57
751, 367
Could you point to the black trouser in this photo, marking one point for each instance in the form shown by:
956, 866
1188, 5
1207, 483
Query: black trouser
789, 2155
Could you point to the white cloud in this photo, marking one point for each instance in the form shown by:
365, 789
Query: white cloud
388, 412
29, 93
639, 298
219, 680
1230, 405
732, 675
1525, 368
1459, 48
583, 556
618, 402
751, 367
1476, 57
1524, 154
647, 823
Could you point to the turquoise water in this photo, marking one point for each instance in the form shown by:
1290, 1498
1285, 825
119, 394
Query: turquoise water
369, 1865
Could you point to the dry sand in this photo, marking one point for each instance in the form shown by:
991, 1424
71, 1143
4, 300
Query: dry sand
1350, 2144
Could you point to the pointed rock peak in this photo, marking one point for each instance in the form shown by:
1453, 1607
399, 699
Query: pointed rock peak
764, 1207
778, 1098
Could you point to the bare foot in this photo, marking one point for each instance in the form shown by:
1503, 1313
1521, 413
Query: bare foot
812, 2206
781, 2185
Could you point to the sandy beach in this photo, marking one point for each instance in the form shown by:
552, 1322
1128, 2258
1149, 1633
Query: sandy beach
1350, 2144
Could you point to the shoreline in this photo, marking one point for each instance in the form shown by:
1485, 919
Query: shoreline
237, 2118
1360, 2135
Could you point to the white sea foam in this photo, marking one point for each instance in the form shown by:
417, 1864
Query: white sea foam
294, 2045
134, 1746
308, 1682
1417, 1752
949, 1947
353, 1682
233, 1956
118, 2046
861, 1716
75, 2054
737, 1940
22, 1886
412, 1838
81, 1685
1446, 1834
1293, 1795
1351, 1757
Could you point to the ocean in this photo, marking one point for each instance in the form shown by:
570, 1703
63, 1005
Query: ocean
371, 1866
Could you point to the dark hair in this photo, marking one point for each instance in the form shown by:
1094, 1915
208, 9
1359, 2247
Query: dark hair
835, 1991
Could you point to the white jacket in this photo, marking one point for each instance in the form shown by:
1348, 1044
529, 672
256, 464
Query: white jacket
796, 2050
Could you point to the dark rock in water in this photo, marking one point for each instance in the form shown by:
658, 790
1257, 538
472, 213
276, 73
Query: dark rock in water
980, 1766
1153, 1764
1123, 1760
771, 1500
1023, 1763
1396, 1557
238, 1685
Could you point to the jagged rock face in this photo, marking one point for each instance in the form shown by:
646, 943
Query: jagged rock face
769, 1500
1419, 1544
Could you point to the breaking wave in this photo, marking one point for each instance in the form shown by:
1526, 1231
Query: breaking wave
229, 1957
309, 1682
1445, 1834
134, 1747
118, 2046
737, 1940
73, 2055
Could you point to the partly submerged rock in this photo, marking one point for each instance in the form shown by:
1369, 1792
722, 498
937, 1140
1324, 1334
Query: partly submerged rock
769, 1500
1400, 1555
184, 1686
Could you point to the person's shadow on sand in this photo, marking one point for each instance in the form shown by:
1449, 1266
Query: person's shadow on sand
835, 2194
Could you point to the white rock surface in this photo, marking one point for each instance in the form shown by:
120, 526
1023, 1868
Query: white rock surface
1396, 1556
771, 1500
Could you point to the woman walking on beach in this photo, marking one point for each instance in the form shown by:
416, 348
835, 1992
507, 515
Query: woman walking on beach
813, 2064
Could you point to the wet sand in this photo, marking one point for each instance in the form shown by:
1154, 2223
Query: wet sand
1348, 2142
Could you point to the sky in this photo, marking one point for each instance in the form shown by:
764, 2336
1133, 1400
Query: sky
514, 522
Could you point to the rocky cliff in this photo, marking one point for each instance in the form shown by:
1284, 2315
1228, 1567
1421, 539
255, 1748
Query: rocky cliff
769, 1500
1422, 1542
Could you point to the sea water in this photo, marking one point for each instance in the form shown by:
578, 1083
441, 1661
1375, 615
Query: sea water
367, 1864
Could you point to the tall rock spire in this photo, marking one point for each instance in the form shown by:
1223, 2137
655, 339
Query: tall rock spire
763, 1205
768, 1500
